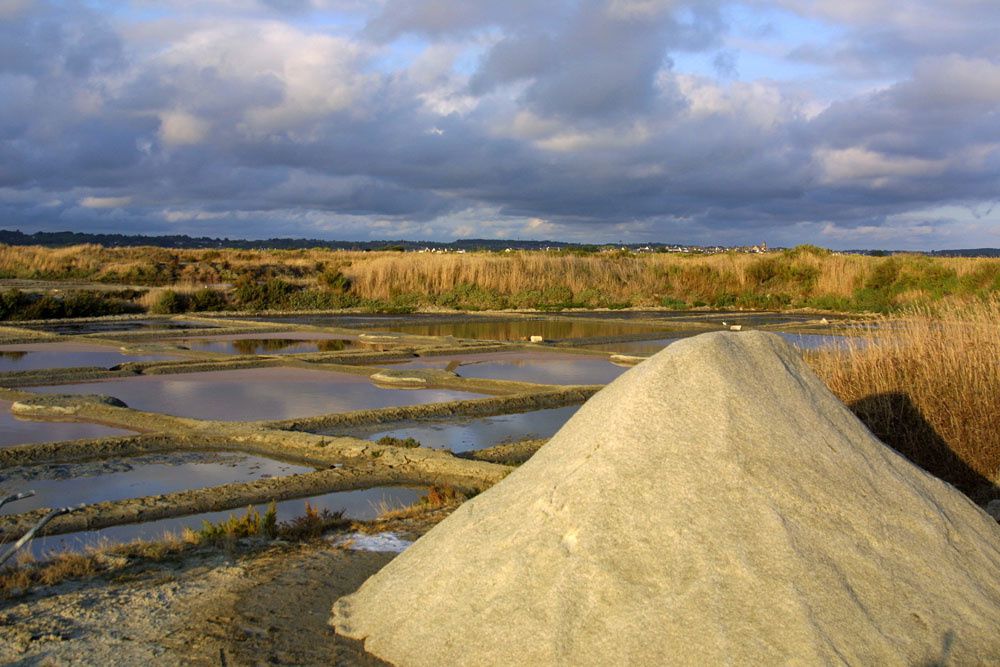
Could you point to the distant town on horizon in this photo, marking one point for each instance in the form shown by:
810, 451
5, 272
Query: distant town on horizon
65, 238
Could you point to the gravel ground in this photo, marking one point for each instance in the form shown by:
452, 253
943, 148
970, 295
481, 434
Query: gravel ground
210, 608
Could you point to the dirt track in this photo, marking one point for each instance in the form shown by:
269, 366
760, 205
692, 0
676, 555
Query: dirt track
211, 608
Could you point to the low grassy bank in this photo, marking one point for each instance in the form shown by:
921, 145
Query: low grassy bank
804, 277
927, 383
255, 529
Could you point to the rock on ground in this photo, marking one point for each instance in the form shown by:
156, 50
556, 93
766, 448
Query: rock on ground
716, 504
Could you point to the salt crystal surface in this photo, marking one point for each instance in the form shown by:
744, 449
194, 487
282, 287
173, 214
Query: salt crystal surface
377, 542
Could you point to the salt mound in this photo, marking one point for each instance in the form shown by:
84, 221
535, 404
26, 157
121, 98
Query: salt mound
716, 504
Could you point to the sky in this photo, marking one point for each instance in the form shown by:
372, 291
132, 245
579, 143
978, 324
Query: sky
843, 123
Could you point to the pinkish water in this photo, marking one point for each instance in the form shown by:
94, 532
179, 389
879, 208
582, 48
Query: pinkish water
255, 393
37, 356
17, 431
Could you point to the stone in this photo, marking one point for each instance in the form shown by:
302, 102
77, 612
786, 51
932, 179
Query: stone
411, 377
626, 359
537, 339
716, 504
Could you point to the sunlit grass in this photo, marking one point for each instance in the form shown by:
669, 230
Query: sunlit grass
927, 383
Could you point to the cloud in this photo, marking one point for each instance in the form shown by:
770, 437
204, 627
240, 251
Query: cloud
590, 120
178, 128
105, 202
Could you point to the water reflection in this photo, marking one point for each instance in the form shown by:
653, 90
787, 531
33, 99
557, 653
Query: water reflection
58, 485
543, 367
460, 435
362, 505
513, 330
817, 341
38, 356
16, 431
639, 348
277, 344
79, 328
647, 348
255, 393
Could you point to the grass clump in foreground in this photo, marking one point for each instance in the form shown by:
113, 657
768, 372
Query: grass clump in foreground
926, 383
390, 441
101, 559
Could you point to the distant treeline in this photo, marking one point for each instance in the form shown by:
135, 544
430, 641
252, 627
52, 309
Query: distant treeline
62, 239
182, 241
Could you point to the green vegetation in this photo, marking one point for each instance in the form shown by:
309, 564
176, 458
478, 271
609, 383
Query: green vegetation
389, 441
251, 524
18, 305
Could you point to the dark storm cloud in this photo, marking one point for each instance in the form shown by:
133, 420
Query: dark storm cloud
568, 112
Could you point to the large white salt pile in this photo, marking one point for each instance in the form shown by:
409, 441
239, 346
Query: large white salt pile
716, 504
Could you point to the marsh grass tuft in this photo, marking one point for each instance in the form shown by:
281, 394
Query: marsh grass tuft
311, 524
251, 524
390, 441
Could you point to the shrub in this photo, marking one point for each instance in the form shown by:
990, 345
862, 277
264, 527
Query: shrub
235, 527
672, 303
208, 300
389, 441
272, 293
335, 281
169, 303
310, 525
438, 496
18, 305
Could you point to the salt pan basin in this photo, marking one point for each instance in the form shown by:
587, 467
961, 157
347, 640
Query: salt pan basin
289, 342
363, 504
255, 393
68, 484
38, 356
462, 435
541, 367
17, 431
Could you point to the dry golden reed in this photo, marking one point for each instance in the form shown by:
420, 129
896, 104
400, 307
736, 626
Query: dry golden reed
802, 277
927, 383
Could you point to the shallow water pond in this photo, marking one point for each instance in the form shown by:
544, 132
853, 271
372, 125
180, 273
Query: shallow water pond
639, 348
17, 431
817, 341
37, 356
537, 366
255, 393
461, 435
748, 318
647, 348
78, 328
291, 342
363, 504
522, 329
67, 484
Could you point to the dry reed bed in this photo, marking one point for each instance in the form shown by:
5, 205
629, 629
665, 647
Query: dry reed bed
773, 280
928, 383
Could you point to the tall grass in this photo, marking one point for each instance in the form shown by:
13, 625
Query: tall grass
801, 277
927, 383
